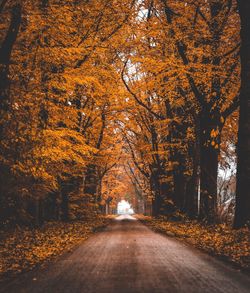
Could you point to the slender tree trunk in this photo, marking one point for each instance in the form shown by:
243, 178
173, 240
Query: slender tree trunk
66, 188
39, 217
191, 202
242, 212
179, 179
156, 201
65, 206
179, 188
99, 194
5, 55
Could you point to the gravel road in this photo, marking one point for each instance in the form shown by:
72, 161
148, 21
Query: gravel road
129, 257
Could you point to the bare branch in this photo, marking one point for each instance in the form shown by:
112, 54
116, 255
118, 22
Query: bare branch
231, 51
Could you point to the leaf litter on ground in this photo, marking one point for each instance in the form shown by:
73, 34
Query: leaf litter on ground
24, 248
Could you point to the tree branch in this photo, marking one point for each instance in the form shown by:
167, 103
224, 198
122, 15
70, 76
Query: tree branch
135, 96
233, 107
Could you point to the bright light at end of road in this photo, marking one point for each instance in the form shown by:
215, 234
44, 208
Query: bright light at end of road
124, 207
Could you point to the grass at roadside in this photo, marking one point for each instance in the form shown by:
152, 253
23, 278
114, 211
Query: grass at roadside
220, 240
24, 248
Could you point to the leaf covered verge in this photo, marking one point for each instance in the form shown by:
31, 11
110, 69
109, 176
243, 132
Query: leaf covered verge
24, 248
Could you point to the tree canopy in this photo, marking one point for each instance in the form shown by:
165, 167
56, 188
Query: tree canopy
110, 100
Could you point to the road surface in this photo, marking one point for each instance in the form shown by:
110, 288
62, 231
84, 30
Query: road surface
129, 257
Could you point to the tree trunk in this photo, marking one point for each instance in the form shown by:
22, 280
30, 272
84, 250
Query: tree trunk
210, 130
99, 194
208, 177
156, 205
179, 189
90, 183
39, 217
242, 212
156, 201
162, 201
191, 198
179, 180
5, 55
191, 203
65, 201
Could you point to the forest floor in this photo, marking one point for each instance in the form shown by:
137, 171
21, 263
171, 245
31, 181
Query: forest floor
23, 248
220, 240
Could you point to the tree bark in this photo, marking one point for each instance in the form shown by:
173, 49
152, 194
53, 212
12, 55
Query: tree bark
156, 201
90, 183
65, 204
10, 38
209, 155
5, 56
191, 197
242, 212
179, 188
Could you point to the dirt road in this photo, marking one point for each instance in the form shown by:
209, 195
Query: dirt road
128, 257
